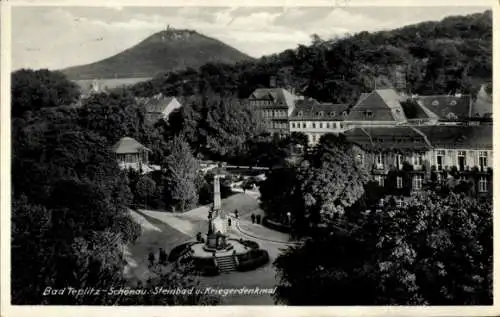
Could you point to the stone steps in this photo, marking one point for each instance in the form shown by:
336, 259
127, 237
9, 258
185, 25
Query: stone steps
226, 264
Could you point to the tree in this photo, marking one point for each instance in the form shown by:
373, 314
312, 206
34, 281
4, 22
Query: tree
36, 89
181, 170
331, 180
435, 251
145, 188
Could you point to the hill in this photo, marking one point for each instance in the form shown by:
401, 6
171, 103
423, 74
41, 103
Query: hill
164, 51
436, 57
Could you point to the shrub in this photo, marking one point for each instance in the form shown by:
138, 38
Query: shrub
253, 260
178, 251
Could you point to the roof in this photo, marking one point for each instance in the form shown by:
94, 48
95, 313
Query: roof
314, 110
274, 94
388, 138
414, 110
467, 137
157, 104
128, 145
446, 107
483, 105
381, 104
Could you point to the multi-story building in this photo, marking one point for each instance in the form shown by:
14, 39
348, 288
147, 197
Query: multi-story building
315, 119
381, 107
406, 158
387, 107
274, 106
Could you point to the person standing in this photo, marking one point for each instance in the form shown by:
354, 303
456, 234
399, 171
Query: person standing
162, 257
151, 259
258, 219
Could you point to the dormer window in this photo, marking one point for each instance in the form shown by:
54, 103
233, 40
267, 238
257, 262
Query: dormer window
451, 116
435, 103
368, 114
301, 113
344, 113
453, 103
320, 113
332, 113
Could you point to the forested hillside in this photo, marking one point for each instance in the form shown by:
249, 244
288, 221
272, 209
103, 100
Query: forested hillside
163, 51
442, 57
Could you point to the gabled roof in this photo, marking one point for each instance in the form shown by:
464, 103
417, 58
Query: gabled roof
447, 108
383, 104
314, 110
157, 104
128, 145
274, 94
466, 137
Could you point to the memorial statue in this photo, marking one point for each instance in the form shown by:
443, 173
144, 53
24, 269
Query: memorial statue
217, 223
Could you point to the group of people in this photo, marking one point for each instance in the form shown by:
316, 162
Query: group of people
162, 257
256, 219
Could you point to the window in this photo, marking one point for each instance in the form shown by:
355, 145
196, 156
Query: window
368, 114
328, 125
341, 126
461, 160
439, 160
335, 125
399, 182
314, 125
293, 125
453, 102
359, 158
320, 113
321, 125
417, 182
314, 138
483, 185
379, 161
418, 160
344, 113
451, 116
399, 161
332, 113
301, 113
304, 125
483, 160
435, 103
380, 180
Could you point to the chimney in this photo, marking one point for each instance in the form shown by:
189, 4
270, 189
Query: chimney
272, 82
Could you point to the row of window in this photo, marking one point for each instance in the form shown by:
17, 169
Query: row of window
272, 113
261, 102
322, 113
418, 160
317, 125
276, 125
418, 180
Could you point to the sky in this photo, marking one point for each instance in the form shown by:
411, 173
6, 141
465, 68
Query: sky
58, 37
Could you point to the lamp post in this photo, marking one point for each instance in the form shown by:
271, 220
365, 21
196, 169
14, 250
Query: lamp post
289, 216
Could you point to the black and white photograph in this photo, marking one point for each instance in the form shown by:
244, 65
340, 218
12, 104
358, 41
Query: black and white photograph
275, 155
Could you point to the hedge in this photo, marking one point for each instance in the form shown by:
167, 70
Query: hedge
256, 258
278, 226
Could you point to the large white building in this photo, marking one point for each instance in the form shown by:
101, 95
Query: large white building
315, 119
